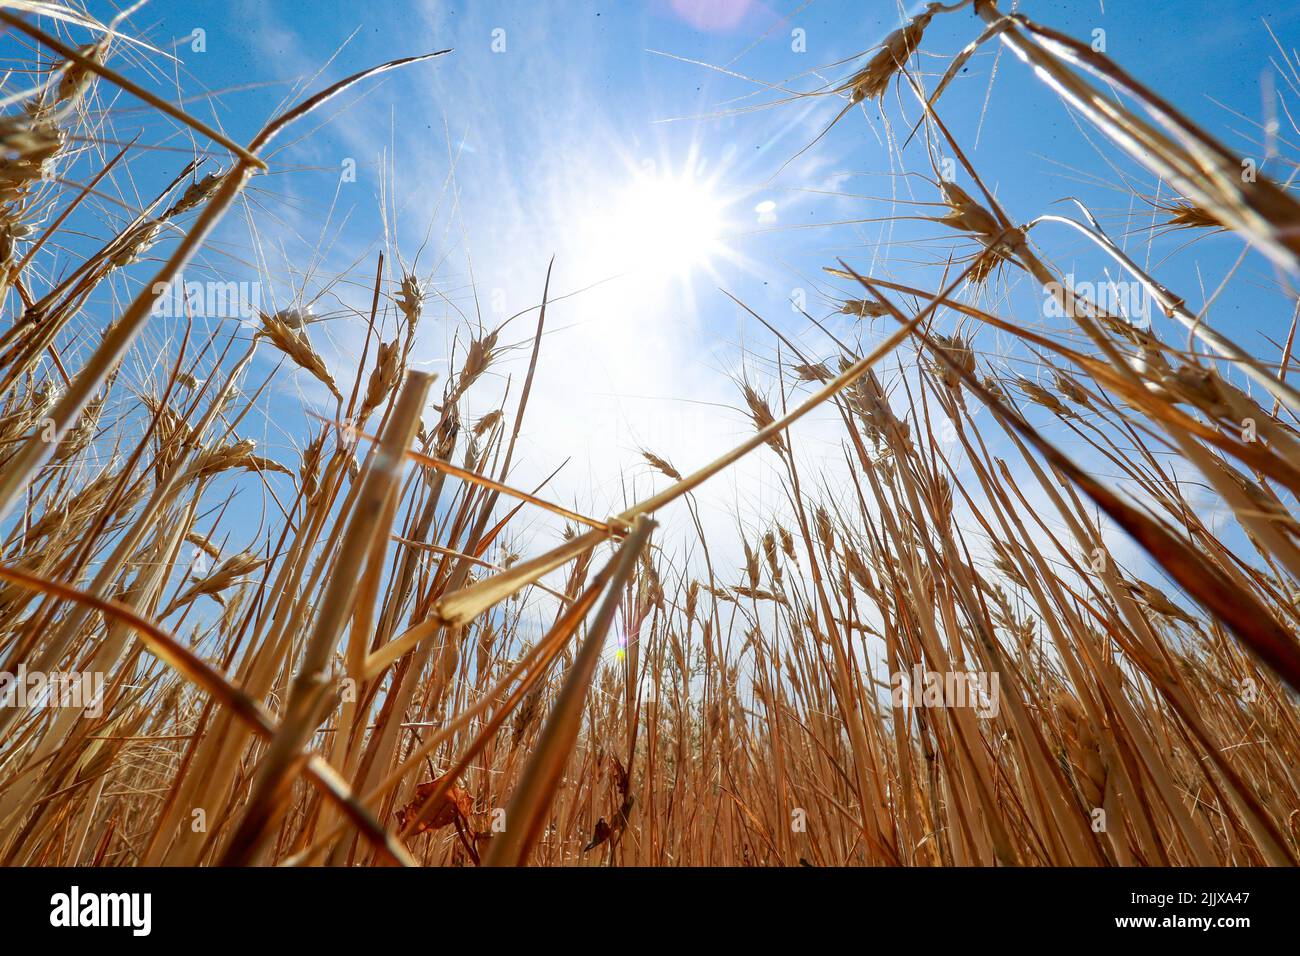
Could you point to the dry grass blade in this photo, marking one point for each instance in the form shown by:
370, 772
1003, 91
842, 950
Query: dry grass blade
245, 708
304, 707
1238, 609
536, 789
92, 64
20, 470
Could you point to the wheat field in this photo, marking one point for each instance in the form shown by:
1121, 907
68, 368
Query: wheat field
926, 654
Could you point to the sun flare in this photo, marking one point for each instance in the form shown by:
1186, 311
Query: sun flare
658, 226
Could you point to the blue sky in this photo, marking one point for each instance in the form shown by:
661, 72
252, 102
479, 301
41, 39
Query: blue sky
530, 137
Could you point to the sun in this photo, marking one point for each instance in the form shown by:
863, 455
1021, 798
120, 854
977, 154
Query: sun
659, 225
